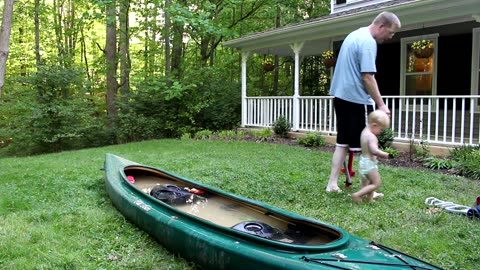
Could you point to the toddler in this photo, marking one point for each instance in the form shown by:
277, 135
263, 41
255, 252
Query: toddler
377, 121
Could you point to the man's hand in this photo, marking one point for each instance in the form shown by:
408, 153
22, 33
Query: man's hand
385, 109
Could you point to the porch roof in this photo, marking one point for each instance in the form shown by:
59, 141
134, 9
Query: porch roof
318, 33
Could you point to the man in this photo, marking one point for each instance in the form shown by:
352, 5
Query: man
355, 88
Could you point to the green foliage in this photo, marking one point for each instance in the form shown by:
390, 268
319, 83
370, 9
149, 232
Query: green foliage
221, 100
262, 135
392, 151
422, 150
227, 134
59, 114
463, 152
312, 138
437, 163
281, 126
201, 101
186, 136
466, 159
385, 138
203, 135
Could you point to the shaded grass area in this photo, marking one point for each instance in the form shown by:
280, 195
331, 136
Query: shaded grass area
55, 213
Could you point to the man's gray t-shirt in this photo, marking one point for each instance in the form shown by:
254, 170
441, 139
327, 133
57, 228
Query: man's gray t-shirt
357, 55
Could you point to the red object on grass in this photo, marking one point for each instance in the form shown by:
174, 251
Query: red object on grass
350, 164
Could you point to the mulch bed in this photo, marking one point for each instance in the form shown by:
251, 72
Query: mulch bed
403, 159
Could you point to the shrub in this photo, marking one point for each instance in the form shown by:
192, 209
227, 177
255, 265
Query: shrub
385, 138
227, 134
392, 151
466, 160
462, 152
186, 136
260, 135
281, 126
217, 98
437, 163
203, 134
241, 134
312, 138
422, 150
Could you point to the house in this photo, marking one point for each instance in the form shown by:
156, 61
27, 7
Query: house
433, 97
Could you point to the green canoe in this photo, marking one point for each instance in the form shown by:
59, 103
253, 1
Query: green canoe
220, 230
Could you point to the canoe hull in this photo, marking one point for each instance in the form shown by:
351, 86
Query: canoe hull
216, 247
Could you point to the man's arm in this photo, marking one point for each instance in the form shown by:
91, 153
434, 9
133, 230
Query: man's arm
372, 87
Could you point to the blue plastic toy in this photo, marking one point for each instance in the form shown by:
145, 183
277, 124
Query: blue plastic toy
474, 212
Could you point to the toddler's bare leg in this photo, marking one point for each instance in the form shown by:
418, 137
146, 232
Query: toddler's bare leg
373, 184
356, 196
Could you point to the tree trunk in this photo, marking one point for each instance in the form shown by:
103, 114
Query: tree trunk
37, 33
124, 49
204, 47
168, 64
177, 47
111, 63
5, 39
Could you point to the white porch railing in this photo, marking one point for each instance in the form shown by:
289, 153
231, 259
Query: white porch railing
443, 120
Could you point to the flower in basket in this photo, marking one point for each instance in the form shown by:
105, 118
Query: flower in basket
328, 58
422, 44
327, 54
422, 48
268, 65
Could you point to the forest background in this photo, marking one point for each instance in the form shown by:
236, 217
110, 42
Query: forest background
89, 73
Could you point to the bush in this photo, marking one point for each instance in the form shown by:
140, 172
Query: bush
312, 138
466, 160
218, 99
226, 134
392, 151
262, 135
281, 126
385, 138
203, 135
422, 150
52, 113
437, 163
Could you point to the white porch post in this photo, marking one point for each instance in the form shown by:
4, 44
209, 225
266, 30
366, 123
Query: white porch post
245, 56
296, 47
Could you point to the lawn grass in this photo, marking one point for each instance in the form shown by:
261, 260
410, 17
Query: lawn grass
55, 213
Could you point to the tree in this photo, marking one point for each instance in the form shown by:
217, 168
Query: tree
111, 62
5, 39
124, 52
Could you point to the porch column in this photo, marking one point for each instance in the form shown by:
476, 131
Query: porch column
296, 47
245, 56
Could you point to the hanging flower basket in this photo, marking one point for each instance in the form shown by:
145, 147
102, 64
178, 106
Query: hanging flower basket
329, 62
423, 53
268, 67
329, 59
422, 48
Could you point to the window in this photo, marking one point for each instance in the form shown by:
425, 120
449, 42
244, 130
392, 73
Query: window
341, 1
418, 71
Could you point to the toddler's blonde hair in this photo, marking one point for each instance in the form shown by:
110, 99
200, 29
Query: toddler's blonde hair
380, 118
